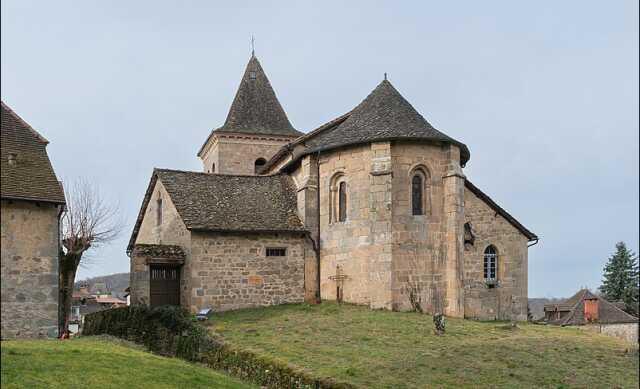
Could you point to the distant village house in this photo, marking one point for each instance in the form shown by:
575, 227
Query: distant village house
591, 312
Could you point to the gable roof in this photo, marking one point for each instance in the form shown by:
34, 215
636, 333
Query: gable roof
32, 177
217, 202
499, 210
608, 313
383, 115
255, 108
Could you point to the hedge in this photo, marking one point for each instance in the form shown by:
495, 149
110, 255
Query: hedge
171, 331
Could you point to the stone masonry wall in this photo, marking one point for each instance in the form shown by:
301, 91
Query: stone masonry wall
172, 231
419, 251
508, 300
361, 244
231, 271
29, 262
237, 153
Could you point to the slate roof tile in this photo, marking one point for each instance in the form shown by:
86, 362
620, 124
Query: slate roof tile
32, 177
218, 202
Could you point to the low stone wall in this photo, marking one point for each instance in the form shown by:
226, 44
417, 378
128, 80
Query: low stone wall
625, 331
170, 331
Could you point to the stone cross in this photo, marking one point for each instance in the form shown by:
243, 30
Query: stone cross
339, 278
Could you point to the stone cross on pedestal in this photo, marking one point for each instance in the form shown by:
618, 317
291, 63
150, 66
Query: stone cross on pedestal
339, 279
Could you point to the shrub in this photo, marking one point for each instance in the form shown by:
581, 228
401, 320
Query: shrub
170, 331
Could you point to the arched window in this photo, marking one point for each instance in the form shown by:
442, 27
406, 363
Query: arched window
420, 191
213, 167
417, 195
342, 201
260, 162
490, 263
338, 198
159, 211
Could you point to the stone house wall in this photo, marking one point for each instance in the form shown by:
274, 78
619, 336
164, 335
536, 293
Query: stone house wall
508, 300
419, 251
231, 271
29, 262
237, 153
171, 231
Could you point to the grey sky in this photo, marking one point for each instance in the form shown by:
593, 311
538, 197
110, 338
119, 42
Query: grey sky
545, 94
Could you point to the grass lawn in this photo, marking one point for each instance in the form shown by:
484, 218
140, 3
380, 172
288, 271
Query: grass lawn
382, 349
99, 363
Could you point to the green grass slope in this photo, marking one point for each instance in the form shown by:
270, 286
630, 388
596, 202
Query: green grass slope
99, 363
382, 349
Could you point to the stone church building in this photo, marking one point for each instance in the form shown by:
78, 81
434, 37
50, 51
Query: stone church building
370, 208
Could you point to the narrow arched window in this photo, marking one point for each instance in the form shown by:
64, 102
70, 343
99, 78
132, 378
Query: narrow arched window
417, 195
342, 201
159, 211
213, 167
490, 263
257, 166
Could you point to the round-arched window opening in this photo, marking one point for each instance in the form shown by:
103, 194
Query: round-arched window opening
490, 263
213, 168
259, 164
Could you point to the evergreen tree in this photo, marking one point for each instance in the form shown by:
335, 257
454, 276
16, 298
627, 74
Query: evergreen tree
620, 282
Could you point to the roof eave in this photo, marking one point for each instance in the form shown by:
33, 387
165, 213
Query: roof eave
33, 199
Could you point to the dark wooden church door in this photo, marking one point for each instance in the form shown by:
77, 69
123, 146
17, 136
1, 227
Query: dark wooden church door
164, 285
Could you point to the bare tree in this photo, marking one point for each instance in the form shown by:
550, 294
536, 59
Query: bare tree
88, 223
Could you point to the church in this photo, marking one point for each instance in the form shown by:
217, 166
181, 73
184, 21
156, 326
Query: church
371, 208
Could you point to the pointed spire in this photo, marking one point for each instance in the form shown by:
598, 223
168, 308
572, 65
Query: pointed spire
256, 109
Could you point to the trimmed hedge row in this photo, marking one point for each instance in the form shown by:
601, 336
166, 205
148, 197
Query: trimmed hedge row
170, 331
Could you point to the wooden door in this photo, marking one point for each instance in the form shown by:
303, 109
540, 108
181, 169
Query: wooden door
164, 285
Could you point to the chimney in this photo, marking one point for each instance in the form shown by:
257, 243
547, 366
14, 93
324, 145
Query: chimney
591, 310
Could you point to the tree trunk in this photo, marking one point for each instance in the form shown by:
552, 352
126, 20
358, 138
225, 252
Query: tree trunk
68, 266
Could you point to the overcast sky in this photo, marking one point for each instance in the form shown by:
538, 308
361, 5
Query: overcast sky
544, 93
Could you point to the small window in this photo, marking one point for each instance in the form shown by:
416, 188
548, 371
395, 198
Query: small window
342, 201
260, 162
213, 168
490, 263
276, 251
417, 195
159, 211
252, 75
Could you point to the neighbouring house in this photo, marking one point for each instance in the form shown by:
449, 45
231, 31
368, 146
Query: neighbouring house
83, 302
589, 311
32, 202
370, 208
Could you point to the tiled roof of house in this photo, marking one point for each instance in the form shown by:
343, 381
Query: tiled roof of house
383, 116
255, 108
217, 202
493, 205
31, 177
159, 251
608, 313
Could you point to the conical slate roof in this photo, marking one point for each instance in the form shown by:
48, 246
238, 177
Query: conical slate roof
383, 115
256, 109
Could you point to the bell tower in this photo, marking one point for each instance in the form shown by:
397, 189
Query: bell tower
255, 129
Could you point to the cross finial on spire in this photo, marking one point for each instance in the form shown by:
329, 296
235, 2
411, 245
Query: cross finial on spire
253, 46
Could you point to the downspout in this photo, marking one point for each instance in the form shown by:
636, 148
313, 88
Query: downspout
318, 296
